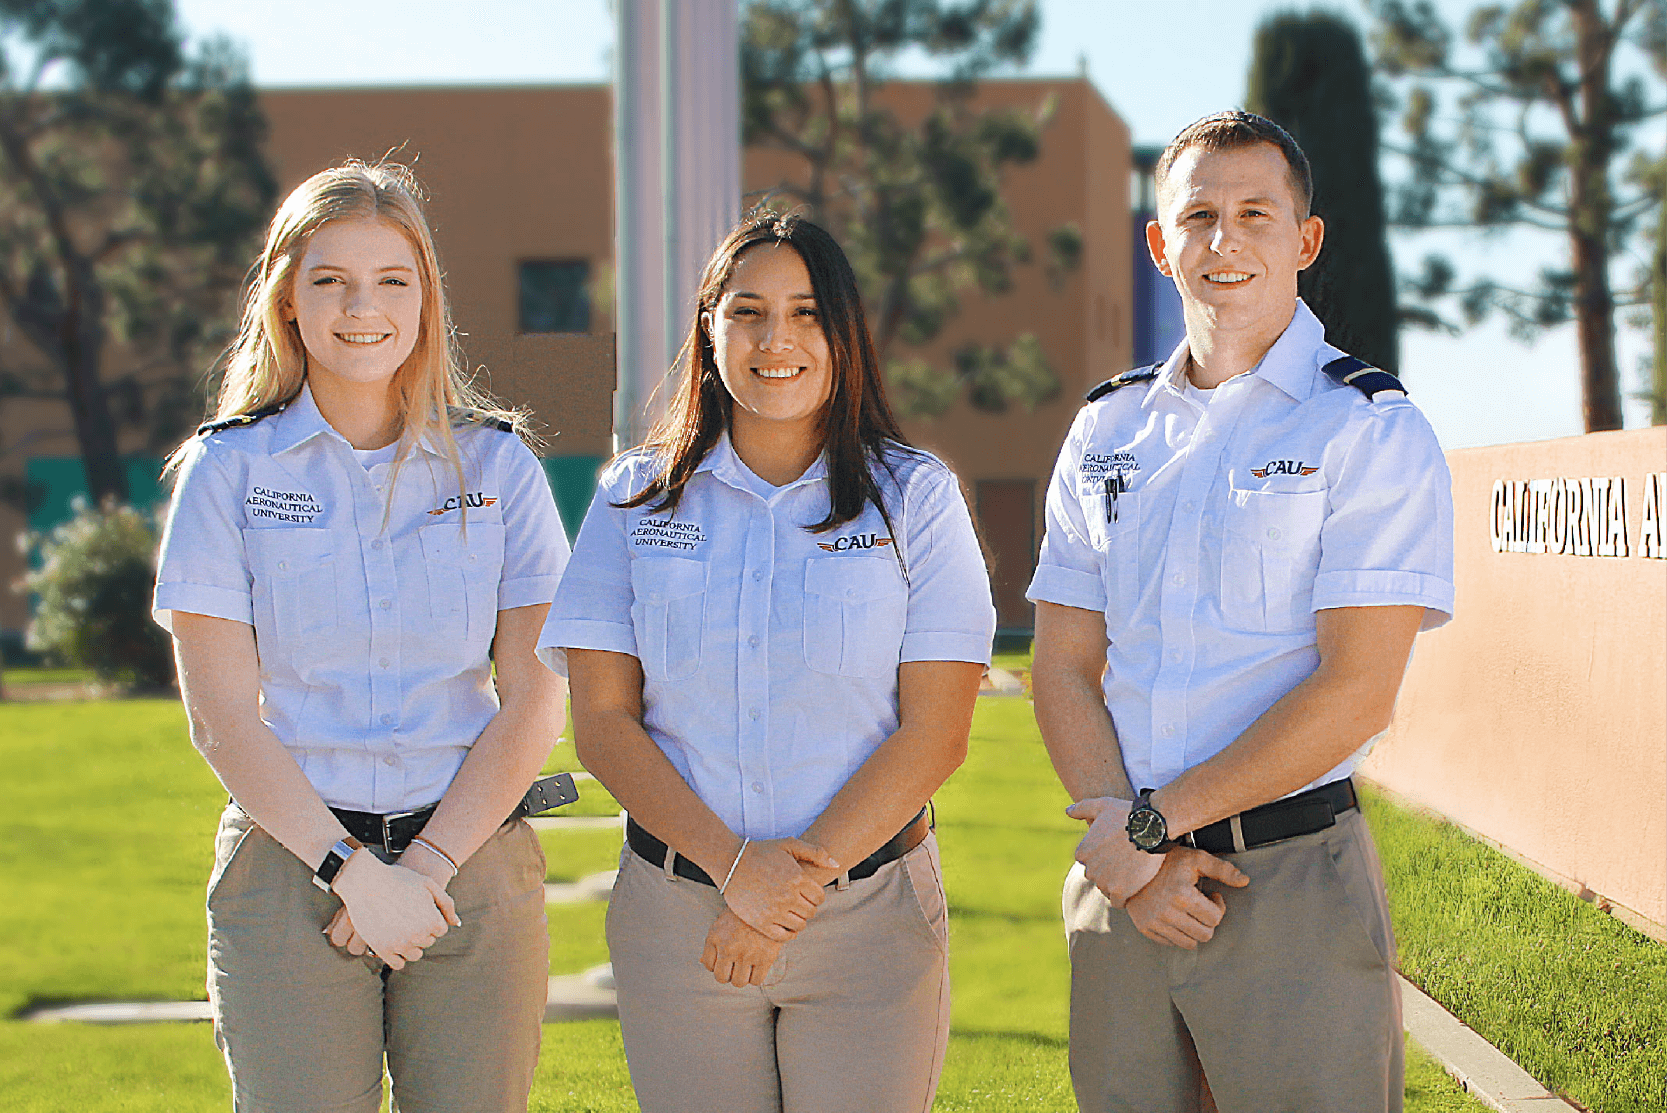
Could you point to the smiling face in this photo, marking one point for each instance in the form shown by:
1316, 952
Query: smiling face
767, 340
1230, 234
358, 302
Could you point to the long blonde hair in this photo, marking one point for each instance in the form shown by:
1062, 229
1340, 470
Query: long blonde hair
267, 364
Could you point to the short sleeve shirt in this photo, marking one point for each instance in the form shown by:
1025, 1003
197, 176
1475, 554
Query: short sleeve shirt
373, 616
1210, 535
770, 653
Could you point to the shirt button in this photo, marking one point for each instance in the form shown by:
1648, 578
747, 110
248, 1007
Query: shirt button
377, 544
384, 662
1175, 655
758, 574
386, 720
390, 760
385, 604
1178, 579
1274, 535
753, 714
283, 565
1189, 505
753, 641
850, 593
471, 558
758, 786
1169, 730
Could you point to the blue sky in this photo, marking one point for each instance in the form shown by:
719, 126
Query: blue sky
1159, 63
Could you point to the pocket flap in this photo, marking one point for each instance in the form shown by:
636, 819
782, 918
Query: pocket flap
478, 544
1277, 519
659, 580
281, 551
853, 579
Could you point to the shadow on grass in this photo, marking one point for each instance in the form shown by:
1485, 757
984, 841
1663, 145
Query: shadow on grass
1035, 1039
41, 1003
961, 912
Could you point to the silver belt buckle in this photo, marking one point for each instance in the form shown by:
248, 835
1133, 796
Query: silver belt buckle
387, 832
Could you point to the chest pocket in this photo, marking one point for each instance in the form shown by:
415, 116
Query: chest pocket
669, 613
855, 612
1117, 542
295, 572
463, 572
1269, 554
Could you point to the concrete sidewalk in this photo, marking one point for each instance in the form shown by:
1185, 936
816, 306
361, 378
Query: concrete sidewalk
1485, 1072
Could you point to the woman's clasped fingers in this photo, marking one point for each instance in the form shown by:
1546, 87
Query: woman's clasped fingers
770, 890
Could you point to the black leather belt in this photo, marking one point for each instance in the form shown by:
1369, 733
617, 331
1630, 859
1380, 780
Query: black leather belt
1302, 814
394, 832
653, 851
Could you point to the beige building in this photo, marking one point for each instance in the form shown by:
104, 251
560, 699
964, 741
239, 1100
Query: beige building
521, 200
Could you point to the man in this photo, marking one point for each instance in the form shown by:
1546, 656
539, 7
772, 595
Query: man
1240, 549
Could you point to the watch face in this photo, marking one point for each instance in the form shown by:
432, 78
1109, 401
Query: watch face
1146, 828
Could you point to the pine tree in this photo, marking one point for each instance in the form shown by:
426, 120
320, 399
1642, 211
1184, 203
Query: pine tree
1308, 73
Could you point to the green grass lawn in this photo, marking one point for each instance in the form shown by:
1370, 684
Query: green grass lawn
1575, 996
108, 814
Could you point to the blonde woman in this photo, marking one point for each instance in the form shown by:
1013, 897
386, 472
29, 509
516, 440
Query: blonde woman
350, 539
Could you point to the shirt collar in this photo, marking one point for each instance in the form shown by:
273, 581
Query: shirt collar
724, 464
301, 421
1291, 364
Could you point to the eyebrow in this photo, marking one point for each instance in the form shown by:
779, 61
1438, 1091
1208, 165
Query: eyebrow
760, 297
380, 270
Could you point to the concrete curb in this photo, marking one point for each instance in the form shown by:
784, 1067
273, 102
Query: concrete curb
1485, 1072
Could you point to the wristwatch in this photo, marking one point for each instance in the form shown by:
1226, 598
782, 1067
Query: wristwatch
334, 859
1147, 828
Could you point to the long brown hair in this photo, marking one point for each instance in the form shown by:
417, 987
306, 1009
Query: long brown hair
858, 427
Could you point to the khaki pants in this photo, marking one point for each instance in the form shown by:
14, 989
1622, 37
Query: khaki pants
305, 1026
1292, 1006
853, 1016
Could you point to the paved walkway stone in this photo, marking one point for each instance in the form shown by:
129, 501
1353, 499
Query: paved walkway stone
582, 996
592, 887
123, 1012
1485, 1072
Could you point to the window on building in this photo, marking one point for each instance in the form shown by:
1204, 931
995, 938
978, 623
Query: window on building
555, 295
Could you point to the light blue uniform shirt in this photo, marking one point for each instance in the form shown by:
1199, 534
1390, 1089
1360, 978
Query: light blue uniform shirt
372, 641
1238, 519
770, 653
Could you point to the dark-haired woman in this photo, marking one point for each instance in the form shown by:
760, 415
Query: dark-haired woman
776, 617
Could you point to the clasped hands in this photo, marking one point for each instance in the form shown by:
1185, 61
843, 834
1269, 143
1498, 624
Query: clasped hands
773, 891
1160, 892
392, 911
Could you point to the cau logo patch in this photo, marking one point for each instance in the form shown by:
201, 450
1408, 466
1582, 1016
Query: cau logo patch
475, 498
1283, 467
857, 541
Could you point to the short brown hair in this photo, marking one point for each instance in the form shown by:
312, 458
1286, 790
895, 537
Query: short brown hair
1236, 129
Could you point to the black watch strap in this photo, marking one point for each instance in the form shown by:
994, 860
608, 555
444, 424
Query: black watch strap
334, 859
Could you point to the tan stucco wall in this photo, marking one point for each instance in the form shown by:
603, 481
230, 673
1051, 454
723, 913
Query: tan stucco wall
1538, 716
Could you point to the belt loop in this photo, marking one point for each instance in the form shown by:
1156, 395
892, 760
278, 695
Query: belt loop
387, 836
1237, 827
668, 865
842, 882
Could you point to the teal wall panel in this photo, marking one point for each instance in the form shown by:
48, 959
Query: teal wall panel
55, 482
573, 481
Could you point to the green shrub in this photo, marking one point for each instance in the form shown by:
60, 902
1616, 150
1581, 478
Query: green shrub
94, 581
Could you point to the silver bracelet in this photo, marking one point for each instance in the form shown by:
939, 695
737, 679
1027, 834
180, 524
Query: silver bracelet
732, 865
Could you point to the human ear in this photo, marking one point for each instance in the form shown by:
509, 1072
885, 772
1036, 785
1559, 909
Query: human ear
1156, 248
1312, 232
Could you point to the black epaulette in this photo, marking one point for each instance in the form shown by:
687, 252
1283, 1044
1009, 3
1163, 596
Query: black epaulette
475, 417
1361, 375
208, 428
1138, 375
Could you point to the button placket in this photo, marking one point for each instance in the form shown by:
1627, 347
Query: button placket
752, 674
377, 552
